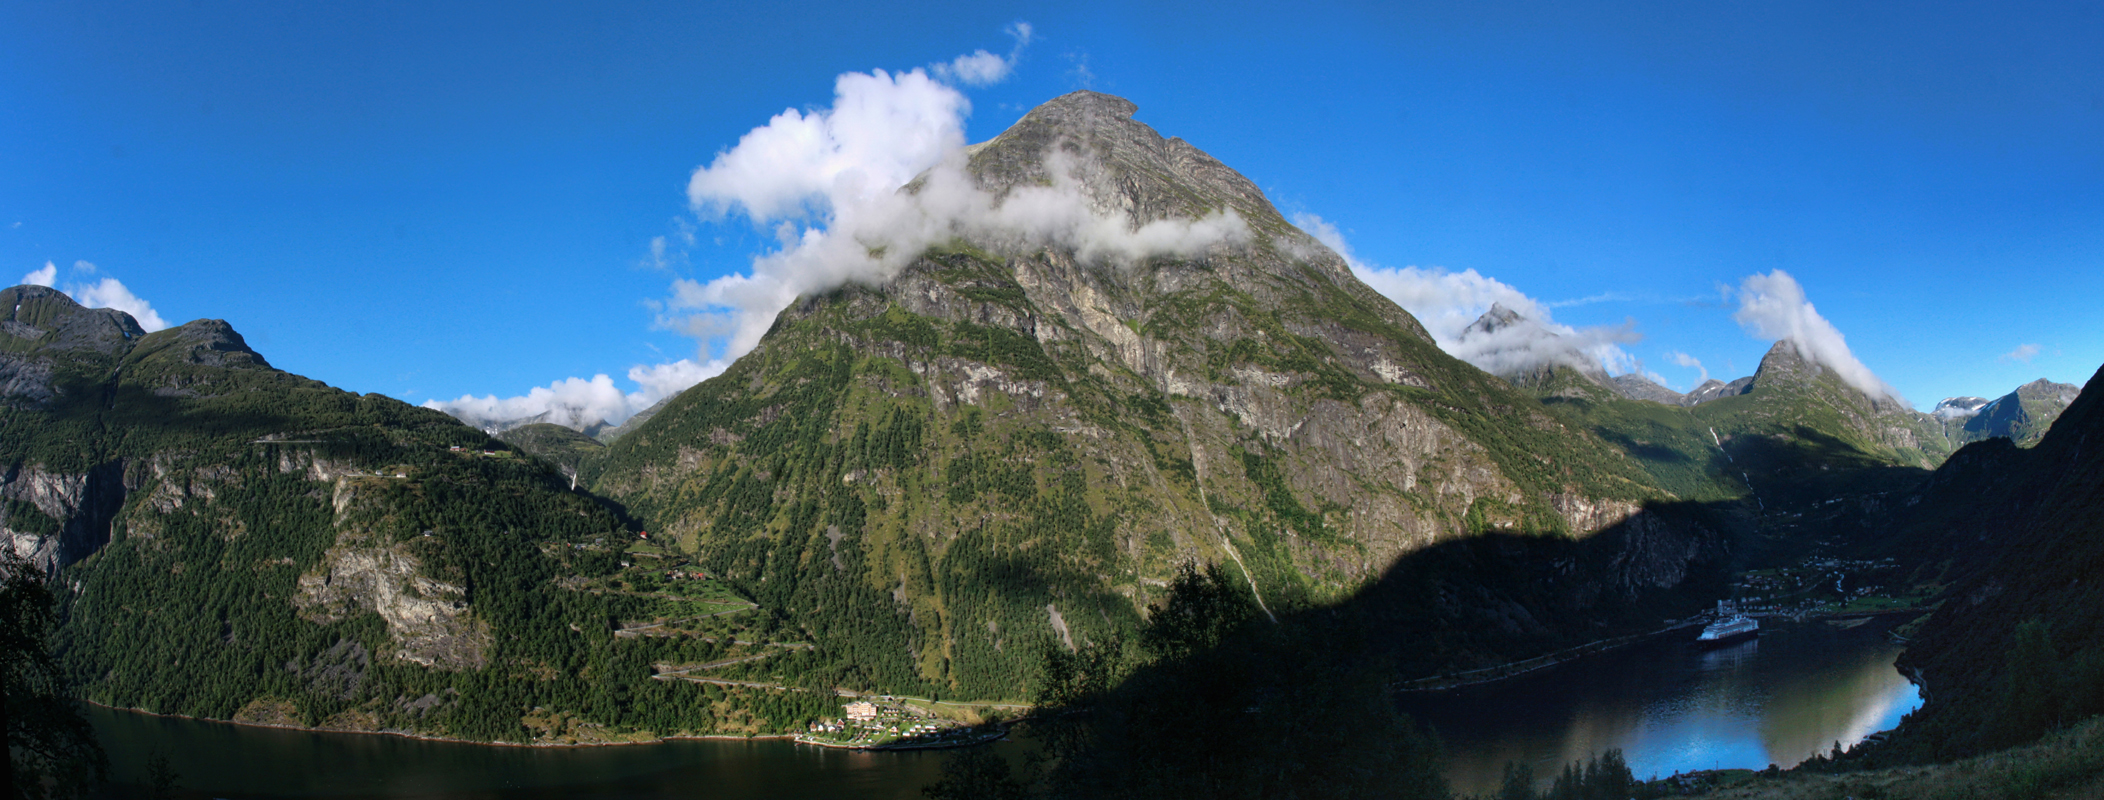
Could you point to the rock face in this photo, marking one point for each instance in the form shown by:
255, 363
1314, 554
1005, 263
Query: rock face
54, 519
1002, 427
427, 619
1637, 387
1714, 389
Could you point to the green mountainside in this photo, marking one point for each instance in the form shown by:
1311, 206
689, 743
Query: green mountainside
1791, 432
241, 543
1794, 438
1006, 445
563, 447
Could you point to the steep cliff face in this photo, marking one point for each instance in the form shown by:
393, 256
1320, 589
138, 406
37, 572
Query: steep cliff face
55, 519
1007, 426
428, 620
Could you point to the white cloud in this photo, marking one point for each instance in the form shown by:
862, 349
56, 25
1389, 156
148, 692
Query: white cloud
1773, 306
106, 293
2023, 352
42, 277
110, 293
1685, 360
579, 403
978, 69
982, 68
881, 131
1603, 297
1961, 407
666, 380
1446, 303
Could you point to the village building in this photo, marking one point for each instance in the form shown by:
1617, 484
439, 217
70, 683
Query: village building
862, 710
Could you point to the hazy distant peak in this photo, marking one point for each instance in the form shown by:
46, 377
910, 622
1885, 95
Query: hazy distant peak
1959, 407
1497, 318
1637, 387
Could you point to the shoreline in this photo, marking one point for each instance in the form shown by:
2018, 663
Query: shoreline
994, 736
446, 739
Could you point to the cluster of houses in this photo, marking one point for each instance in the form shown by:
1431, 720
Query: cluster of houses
867, 718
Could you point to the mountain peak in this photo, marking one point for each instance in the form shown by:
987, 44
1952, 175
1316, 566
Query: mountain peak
38, 317
211, 342
1506, 343
1497, 318
1959, 407
1119, 163
2043, 389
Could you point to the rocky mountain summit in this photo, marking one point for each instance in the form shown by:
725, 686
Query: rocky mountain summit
1638, 387
1714, 389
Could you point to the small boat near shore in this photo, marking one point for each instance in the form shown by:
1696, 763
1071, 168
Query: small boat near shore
1731, 626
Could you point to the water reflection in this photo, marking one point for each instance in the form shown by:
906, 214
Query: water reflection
1673, 707
238, 762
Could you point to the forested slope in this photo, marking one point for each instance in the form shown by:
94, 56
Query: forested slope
238, 542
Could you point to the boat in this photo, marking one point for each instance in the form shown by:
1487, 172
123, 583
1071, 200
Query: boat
1730, 626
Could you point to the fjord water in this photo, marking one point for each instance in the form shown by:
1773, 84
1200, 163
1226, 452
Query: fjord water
232, 761
1672, 706
1669, 705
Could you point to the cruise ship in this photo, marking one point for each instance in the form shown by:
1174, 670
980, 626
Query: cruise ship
1730, 626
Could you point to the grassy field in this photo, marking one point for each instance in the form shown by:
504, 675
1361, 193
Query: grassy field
2065, 765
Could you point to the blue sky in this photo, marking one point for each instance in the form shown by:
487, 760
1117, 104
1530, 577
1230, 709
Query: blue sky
434, 202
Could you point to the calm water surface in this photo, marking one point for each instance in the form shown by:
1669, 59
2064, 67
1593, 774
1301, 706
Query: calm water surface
1674, 707
238, 762
1670, 706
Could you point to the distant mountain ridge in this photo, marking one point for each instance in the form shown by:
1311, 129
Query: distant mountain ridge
2022, 416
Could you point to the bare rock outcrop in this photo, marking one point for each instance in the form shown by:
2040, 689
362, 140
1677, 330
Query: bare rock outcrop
428, 620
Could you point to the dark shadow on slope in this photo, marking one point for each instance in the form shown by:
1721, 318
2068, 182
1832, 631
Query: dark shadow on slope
1504, 596
1217, 701
2016, 646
